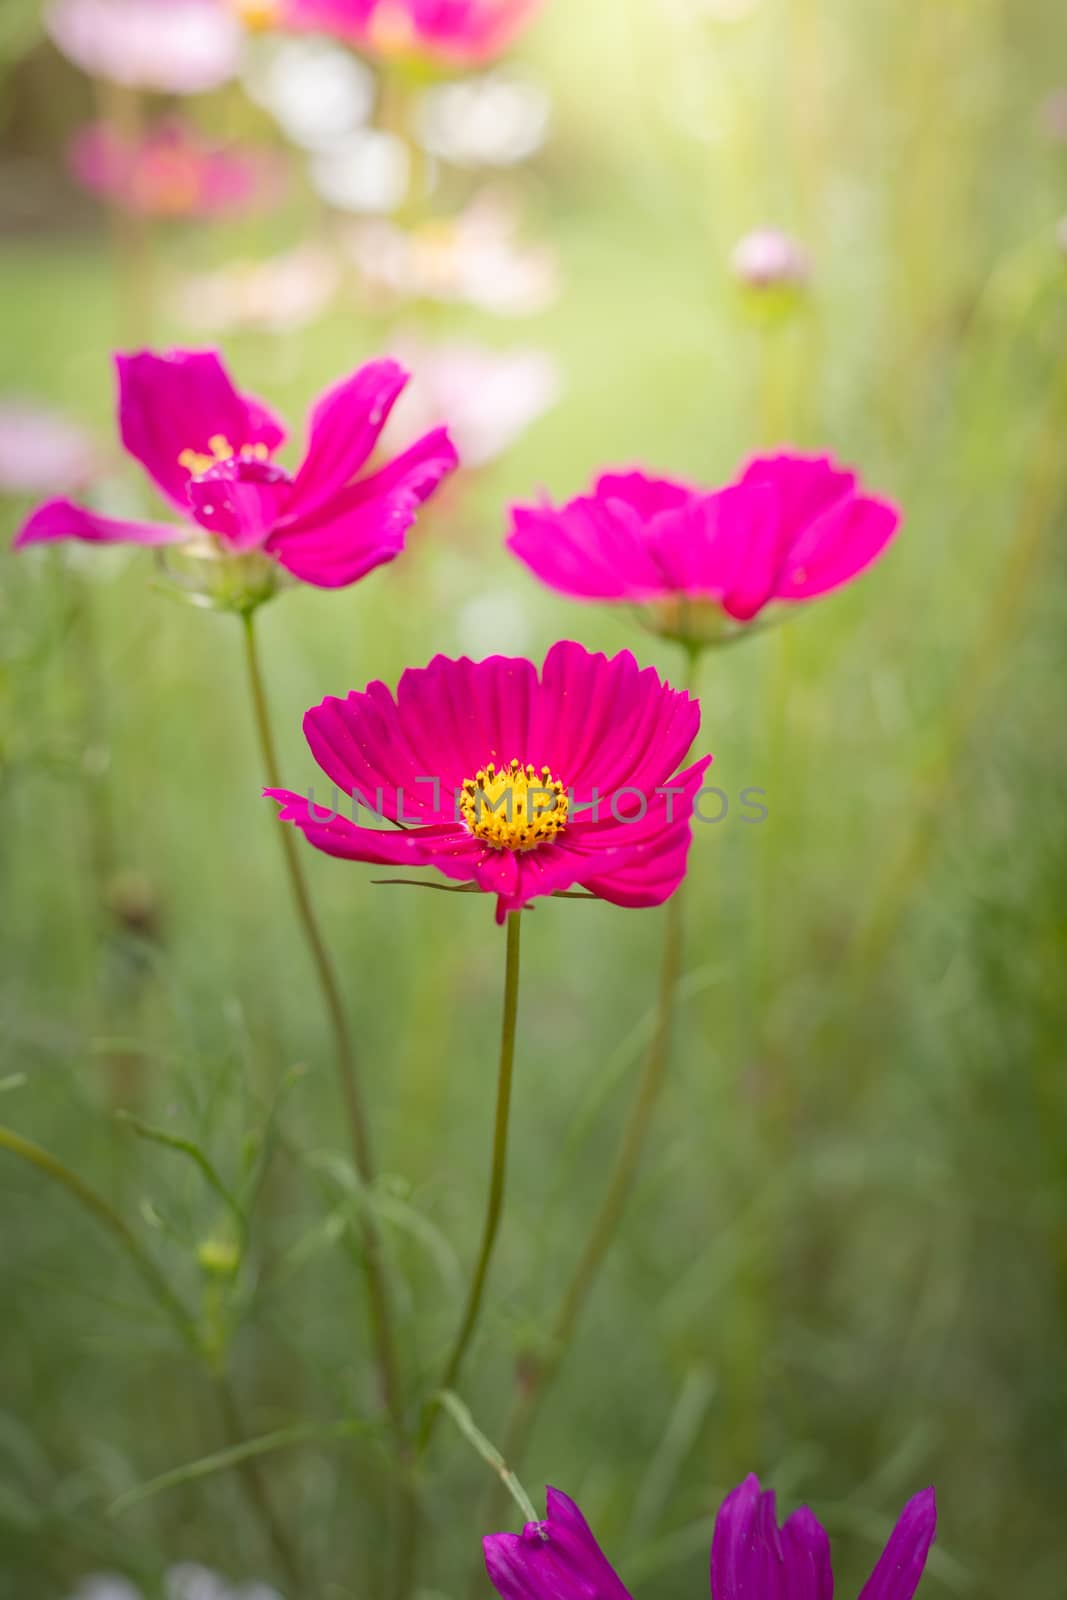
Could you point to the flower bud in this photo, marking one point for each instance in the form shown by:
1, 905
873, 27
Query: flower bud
218, 1258
770, 259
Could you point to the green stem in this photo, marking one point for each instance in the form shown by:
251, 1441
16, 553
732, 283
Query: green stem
108, 1217
252, 1481
105, 1214
534, 1377
1041, 499
358, 1125
497, 1178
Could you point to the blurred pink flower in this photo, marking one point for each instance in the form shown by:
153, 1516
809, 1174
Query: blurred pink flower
456, 33
770, 259
173, 171
1053, 116
791, 528
172, 46
474, 259
280, 295
41, 452
209, 450
488, 397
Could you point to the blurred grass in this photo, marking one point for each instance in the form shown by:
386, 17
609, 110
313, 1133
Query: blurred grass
845, 1264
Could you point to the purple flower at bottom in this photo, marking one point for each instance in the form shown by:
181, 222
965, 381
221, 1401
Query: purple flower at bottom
752, 1558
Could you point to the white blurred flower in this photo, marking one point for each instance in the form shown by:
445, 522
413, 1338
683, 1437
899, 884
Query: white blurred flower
41, 452
280, 295
488, 398
105, 1586
181, 47
184, 1582
496, 120
191, 1582
770, 259
495, 622
368, 172
474, 259
316, 92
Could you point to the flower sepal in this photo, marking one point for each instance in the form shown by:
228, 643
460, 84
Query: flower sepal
202, 574
699, 625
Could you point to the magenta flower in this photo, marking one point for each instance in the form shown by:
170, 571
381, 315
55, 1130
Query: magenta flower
171, 46
209, 450
455, 33
172, 171
790, 529
515, 783
752, 1558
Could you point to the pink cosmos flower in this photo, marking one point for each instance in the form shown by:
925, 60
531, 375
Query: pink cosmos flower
172, 171
791, 528
209, 449
456, 33
517, 783
171, 46
41, 451
752, 1558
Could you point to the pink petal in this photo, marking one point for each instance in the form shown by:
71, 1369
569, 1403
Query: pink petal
359, 743
336, 834
345, 424
592, 549
240, 501
752, 1559
644, 495
603, 724
837, 547
182, 401
419, 469
558, 1559
804, 486
345, 538
902, 1562
61, 519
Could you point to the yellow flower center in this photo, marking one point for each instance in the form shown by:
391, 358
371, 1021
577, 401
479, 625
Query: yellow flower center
258, 14
517, 808
391, 31
196, 463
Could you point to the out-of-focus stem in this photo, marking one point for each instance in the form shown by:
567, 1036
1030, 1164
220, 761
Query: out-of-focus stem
123, 111
534, 1377
348, 1075
106, 1215
1041, 497
98, 1208
497, 1175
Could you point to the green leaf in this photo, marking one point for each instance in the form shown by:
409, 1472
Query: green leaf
461, 1416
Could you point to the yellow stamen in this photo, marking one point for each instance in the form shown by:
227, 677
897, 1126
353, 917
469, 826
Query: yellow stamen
196, 463
392, 32
517, 808
258, 14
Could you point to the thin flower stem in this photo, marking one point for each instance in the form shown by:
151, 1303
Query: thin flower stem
359, 1129
1041, 499
248, 1470
497, 1178
534, 1377
105, 1214
108, 1217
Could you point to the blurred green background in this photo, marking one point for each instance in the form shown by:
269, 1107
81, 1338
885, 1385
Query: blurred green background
845, 1262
